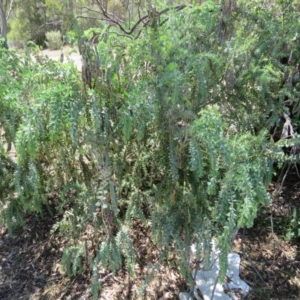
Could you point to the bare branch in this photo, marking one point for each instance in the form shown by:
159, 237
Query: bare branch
92, 18
108, 13
90, 9
145, 20
177, 8
288, 130
51, 23
99, 12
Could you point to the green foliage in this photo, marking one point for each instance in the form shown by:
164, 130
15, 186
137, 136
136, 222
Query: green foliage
293, 228
53, 40
28, 16
170, 128
124, 243
71, 38
72, 259
18, 31
95, 288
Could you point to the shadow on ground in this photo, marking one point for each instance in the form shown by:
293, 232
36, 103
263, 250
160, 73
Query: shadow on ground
270, 253
270, 262
29, 259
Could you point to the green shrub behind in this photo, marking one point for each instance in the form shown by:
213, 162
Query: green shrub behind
53, 40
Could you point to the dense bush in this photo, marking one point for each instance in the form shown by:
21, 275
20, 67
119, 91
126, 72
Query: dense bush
171, 128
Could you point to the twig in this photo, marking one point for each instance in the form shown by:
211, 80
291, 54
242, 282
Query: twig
242, 244
282, 170
294, 261
272, 225
99, 12
236, 231
283, 179
50, 23
274, 133
214, 289
194, 279
109, 16
253, 268
116, 279
297, 170
104, 278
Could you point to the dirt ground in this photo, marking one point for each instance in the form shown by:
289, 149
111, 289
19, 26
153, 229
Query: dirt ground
30, 268
70, 54
270, 262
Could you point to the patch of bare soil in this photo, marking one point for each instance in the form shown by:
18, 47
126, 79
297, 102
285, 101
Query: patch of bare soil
30, 260
69, 54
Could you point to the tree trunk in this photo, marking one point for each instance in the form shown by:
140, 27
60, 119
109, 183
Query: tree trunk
71, 6
3, 24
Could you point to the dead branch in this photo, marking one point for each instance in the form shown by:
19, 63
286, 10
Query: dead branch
108, 13
144, 20
54, 23
288, 130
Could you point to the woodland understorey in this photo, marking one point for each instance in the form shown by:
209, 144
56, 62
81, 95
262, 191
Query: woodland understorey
179, 121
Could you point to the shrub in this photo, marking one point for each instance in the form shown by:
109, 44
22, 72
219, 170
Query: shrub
152, 142
54, 41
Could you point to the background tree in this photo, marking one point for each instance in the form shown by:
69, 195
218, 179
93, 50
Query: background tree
5, 11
